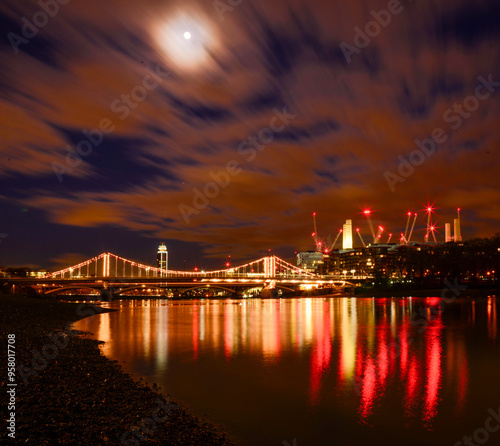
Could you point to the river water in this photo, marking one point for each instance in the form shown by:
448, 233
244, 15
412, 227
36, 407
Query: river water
319, 371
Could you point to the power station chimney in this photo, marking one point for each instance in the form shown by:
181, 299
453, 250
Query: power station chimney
447, 233
347, 235
457, 235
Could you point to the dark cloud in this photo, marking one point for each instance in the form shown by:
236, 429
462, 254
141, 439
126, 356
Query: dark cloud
470, 23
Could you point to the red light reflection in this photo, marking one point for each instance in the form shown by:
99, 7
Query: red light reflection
320, 357
368, 390
433, 369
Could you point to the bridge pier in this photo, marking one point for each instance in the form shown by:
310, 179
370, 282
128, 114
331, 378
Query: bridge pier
107, 292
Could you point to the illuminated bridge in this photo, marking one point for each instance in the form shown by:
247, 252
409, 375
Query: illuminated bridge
116, 276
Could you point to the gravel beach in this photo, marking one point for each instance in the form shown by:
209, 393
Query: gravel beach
69, 393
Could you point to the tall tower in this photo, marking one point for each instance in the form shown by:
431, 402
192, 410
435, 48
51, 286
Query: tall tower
447, 233
347, 235
457, 237
457, 233
162, 259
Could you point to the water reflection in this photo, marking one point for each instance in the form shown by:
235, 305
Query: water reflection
403, 355
492, 317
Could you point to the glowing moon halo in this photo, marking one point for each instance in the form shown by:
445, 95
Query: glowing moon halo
187, 40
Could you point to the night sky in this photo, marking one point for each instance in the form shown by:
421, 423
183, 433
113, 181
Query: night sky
284, 102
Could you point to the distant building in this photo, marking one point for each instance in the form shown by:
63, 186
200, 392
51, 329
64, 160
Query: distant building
372, 261
162, 259
310, 260
41, 273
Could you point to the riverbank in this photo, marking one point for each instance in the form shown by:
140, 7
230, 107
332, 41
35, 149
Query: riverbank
69, 393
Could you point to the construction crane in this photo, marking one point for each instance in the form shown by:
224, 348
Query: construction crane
409, 214
317, 242
367, 213
412, 227
332, 245
432, 230
361, 238
430, 227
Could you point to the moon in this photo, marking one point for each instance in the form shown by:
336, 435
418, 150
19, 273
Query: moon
187, 50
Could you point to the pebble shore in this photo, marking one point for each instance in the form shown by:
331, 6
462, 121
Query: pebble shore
77, 396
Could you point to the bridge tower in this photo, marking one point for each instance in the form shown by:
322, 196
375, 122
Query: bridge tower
162, 260
270, 266
105, 265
